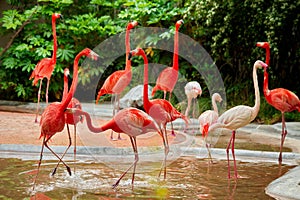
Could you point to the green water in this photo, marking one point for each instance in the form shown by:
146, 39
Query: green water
187, 178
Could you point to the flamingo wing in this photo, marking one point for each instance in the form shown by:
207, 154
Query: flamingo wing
44, 68
284, 100
166, 80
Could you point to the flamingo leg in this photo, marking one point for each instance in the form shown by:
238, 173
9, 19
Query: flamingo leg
283, 135
118, 108
166, 145
133, 143
38, 103
227, 152
48, 83
208, 150
75, 149
114, 112
188, 106
39, 163
233, 155
60, 159
170, 95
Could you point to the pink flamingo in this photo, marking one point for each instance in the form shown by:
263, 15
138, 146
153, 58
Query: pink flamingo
70, 119
238, 117
45, 67
132, 122
167, 79
53, 118
280, 98
192, 90
118, 81
209, 117
160, 110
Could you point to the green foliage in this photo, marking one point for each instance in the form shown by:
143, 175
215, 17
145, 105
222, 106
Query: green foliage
227, 30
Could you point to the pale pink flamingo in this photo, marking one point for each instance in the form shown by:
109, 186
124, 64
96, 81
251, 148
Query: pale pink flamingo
209, 117
133, 122
118, 81
160, 110
53, 118
192, 90
239, 116
280, 98
167, 79
45, 67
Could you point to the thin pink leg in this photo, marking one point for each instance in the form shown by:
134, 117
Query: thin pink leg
38, 103
227, 152
283, 135
48, 83
233, 155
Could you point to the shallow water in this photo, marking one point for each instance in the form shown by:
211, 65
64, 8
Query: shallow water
187, 178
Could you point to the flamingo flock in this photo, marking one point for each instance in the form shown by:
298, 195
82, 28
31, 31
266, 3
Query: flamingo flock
158, 112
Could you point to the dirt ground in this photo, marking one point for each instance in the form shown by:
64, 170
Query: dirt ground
20, 128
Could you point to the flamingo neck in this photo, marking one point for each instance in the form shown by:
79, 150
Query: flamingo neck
175, 55
256, 90
145, 94
214, 104
127, 46
266, 82
66, 87
72, 90
267, 55
54, 40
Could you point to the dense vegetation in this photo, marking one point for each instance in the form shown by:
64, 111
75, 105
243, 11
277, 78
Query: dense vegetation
227, 30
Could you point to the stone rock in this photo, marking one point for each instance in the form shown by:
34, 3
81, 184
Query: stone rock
134, 98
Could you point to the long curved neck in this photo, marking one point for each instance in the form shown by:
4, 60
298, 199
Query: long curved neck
214, 104
72, 90
267, 55
175, 55
127, 46
266, 82
256, 90
54, 40
66, 87
90, 125
145, 95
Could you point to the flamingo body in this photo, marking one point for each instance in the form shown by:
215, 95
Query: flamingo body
167, 79
239, 116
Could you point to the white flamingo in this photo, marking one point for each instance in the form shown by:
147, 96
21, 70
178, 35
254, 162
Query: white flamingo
209, 117
192, 90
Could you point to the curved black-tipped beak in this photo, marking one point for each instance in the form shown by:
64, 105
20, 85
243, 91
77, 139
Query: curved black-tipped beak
129, 56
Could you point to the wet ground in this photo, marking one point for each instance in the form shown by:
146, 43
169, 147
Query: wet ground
257, 147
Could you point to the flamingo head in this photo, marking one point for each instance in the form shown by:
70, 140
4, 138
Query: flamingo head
217, 97
89, 53
260, 64
56, 16
138, 51
263, 44
198, 90
132, 24
179, 23
66, 72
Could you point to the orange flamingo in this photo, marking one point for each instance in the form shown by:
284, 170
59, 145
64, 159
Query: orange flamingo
239, 116
118, 81
160, 110
45, 67
132, 122
70, 119
280, 98
209, 117
167, 79
53, 118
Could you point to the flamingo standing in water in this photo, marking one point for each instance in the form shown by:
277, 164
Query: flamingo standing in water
45, 67
53, 118
118, 81
239, 116
160, 110
133, 122
209, 117
167, 79
70, 119
280, 98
